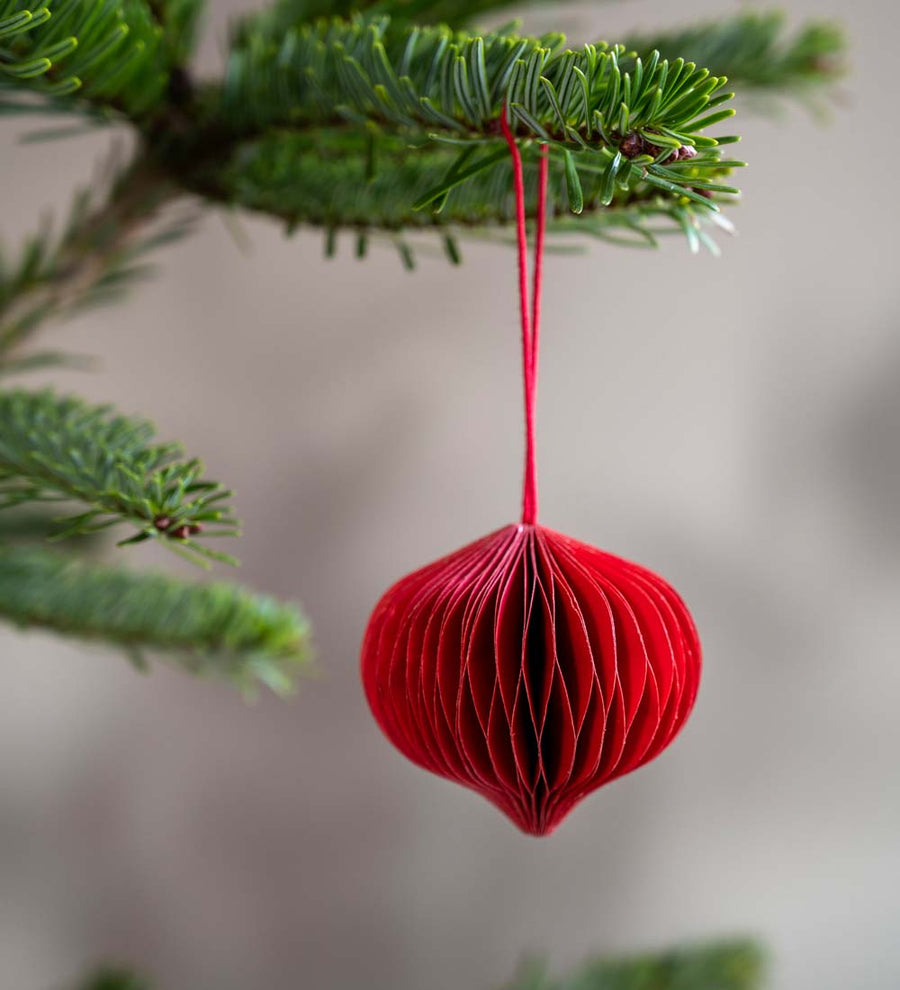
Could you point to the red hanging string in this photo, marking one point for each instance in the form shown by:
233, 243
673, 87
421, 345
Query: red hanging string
530, 313
543, 169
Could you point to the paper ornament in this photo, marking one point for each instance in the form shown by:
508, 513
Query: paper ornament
528, 666
531, 668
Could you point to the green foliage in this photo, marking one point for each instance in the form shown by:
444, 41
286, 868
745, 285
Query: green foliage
216, 630
730, 965
113, 979
623, 116
59, 449
737, 965
754, 50
108, 52
408, 87
614, 123
325, 181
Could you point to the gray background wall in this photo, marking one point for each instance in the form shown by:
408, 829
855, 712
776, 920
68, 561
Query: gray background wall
746, 448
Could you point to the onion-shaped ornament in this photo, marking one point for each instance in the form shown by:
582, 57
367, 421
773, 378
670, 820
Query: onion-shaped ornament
531, 668
528, 666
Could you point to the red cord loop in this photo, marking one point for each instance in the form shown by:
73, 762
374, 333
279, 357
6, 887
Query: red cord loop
530, 320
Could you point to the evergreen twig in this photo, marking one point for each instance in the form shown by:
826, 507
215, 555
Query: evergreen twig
322, 180
59, 449
113, 978
432, 83
757, 52
107, 53
726, 965
208, 629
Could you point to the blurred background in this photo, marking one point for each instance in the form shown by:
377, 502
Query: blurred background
730, 423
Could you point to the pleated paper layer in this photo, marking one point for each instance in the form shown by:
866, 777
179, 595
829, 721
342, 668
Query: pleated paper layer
531, 668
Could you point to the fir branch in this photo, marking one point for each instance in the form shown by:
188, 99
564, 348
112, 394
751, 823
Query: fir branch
729, 965
604, 112
756, 52
433, 83
339, 180
207, 629
55, 449
113, 978
99, 254
108, 52
617, 125
735, 965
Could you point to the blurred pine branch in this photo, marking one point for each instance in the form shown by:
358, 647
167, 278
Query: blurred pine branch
218, 630
737, 964
727, 965
758, 53
109, 978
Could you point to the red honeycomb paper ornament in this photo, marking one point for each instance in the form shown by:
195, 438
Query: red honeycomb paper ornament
531, 668
528, 666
